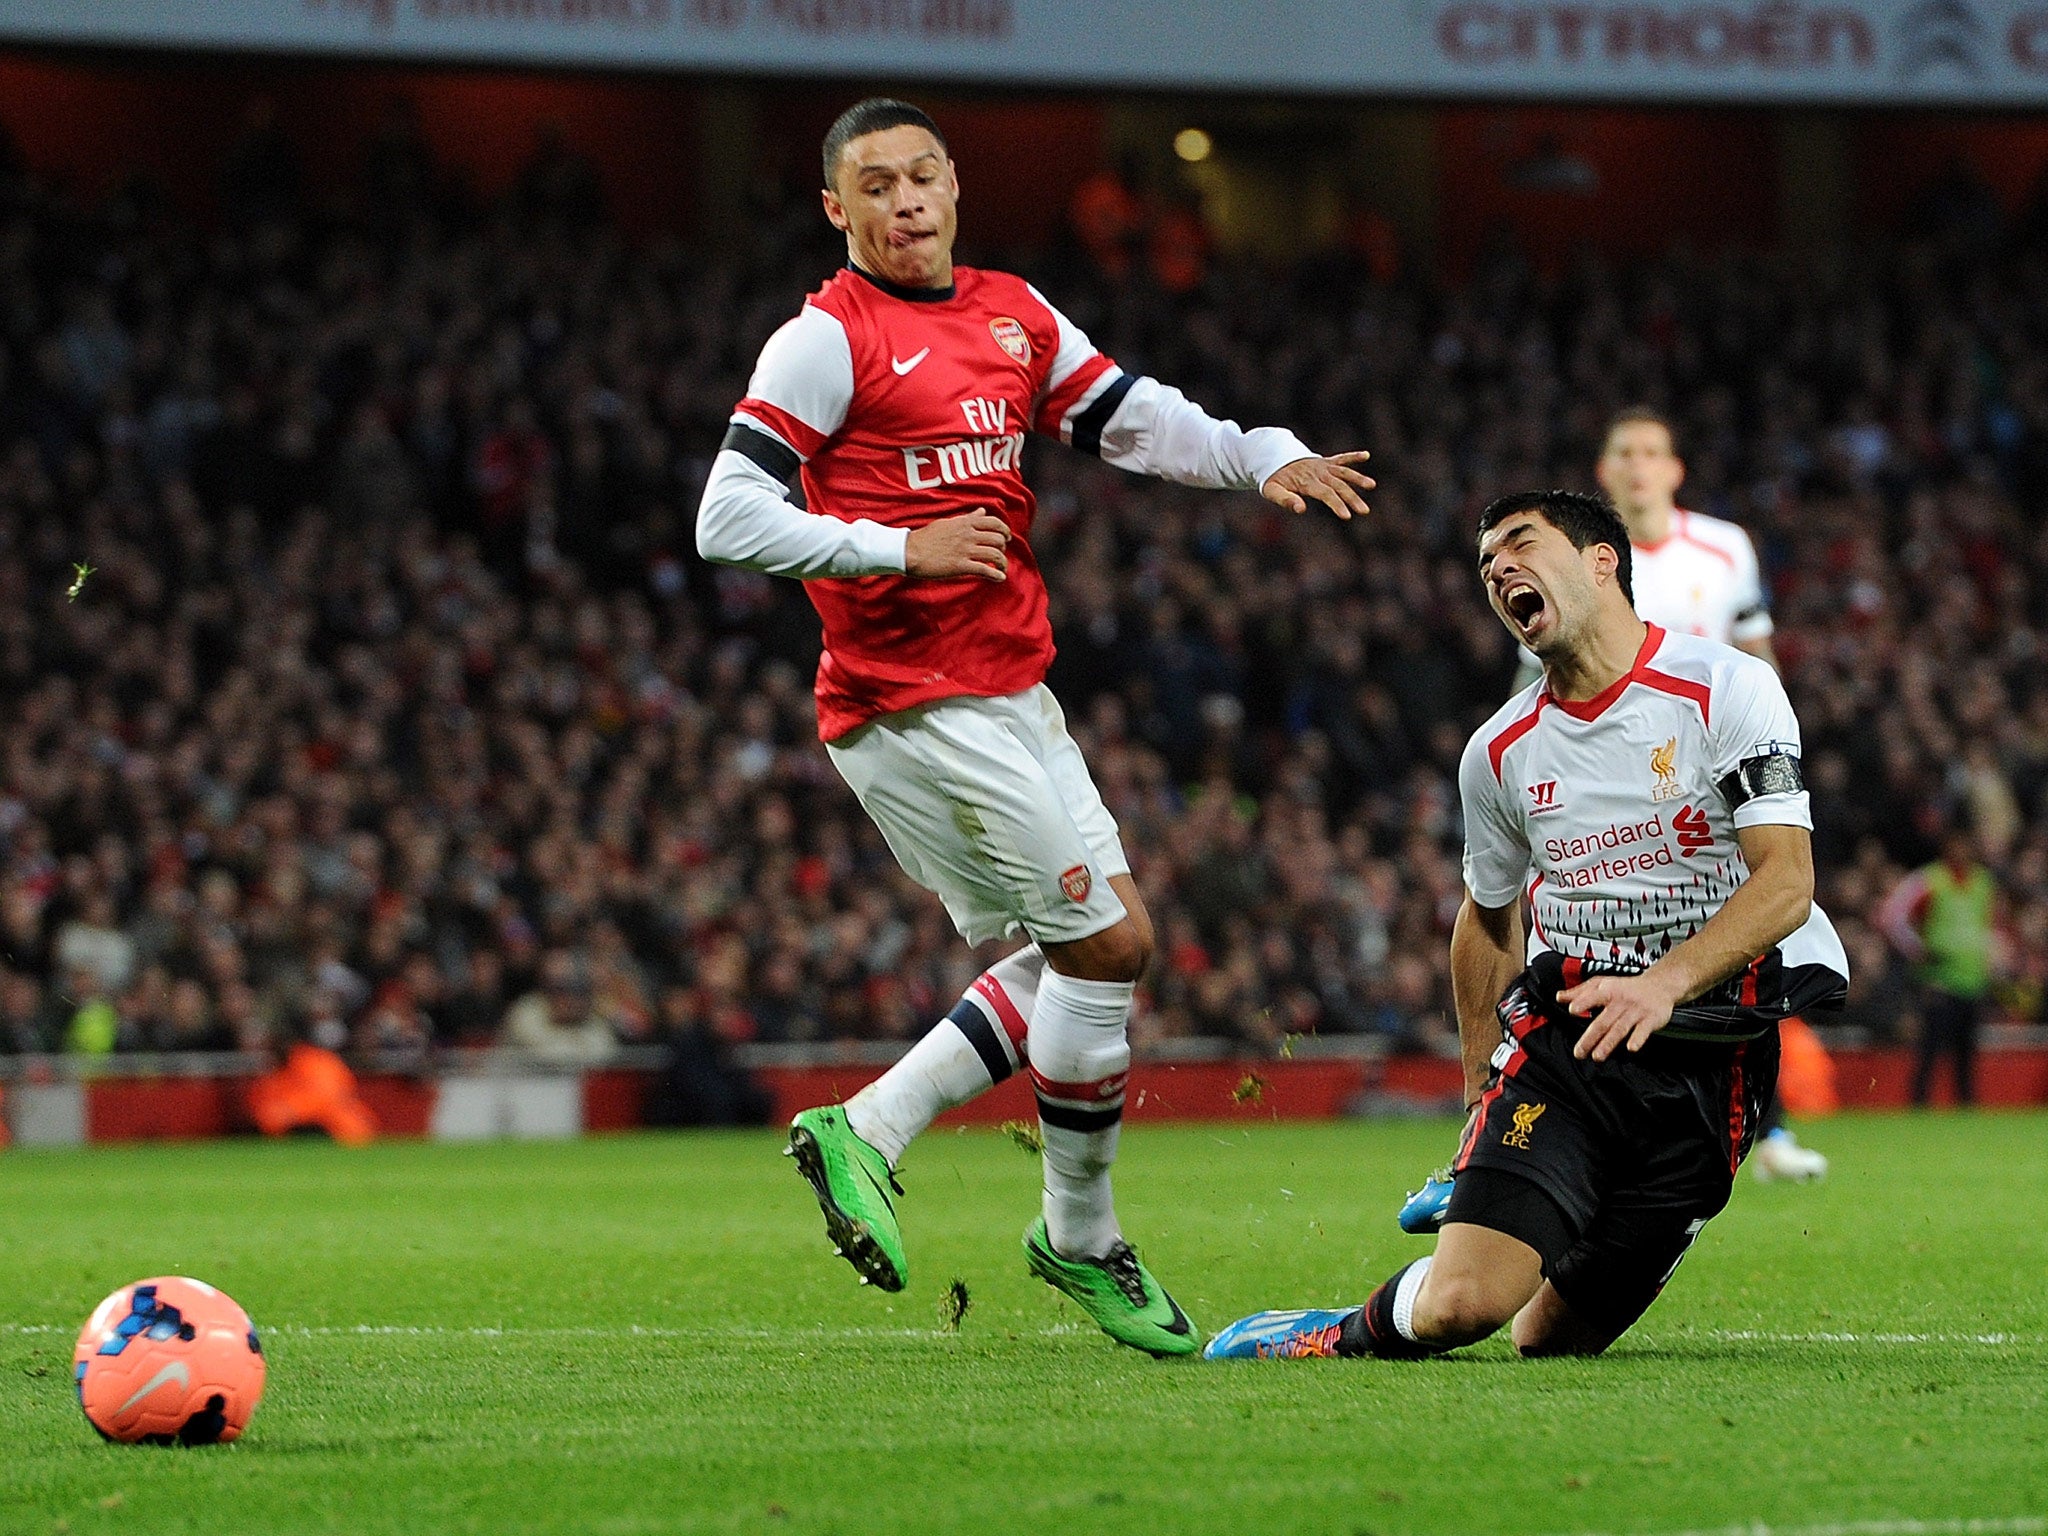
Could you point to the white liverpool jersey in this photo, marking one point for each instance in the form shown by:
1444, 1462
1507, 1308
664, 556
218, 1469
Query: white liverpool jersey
1616, 817
1702, 579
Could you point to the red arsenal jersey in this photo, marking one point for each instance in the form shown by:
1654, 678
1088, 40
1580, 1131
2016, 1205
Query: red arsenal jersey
905, 406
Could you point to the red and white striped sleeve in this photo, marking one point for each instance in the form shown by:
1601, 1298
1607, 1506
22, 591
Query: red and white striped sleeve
1082, 387
796, 400
802, 383
1149, 428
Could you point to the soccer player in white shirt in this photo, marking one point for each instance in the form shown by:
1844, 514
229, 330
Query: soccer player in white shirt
1694, 575
1645, 800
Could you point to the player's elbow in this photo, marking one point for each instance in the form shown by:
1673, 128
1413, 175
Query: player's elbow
1782, 872
1480, 927
1792, 906
707, 530
1795, 891
715, 532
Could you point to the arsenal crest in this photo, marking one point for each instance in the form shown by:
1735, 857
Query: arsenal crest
1010, 337
1076, 882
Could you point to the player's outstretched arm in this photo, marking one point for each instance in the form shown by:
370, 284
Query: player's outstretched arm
1154, 429
1486, 954
1764, 910
1150, 428
1332, 481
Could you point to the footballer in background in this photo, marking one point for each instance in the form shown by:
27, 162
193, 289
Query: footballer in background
1693, 575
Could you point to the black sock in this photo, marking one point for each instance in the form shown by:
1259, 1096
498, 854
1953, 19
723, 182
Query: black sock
1370, 1330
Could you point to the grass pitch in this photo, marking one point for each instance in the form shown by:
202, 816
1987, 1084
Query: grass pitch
648, 1334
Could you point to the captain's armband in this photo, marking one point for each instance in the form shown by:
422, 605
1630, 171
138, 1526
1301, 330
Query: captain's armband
1768, 773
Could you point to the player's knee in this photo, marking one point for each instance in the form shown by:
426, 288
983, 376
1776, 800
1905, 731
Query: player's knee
1139, 922
1134, 950
1120, 953
1457, 1309
1560, 1342
1548, 1329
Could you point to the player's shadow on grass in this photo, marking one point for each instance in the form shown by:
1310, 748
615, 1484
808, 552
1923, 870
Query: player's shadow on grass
1670, 1352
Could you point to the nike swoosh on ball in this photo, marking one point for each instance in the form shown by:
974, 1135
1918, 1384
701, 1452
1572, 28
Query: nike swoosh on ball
175, 1371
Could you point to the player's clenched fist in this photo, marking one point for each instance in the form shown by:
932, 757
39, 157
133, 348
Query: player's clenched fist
972, 544
1331, 481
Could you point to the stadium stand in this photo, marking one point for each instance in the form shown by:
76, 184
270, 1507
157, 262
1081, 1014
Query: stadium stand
395, 711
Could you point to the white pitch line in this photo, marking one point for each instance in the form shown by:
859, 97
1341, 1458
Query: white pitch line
2021, 1525
1752, 1335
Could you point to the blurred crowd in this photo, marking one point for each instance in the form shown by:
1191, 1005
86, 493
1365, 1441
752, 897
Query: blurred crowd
359, 682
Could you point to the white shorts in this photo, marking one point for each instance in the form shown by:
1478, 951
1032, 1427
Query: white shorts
987, 803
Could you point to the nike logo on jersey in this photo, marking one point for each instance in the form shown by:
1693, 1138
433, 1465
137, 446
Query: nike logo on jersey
903, 365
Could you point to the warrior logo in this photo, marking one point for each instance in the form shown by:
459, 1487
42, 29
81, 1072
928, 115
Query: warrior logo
1526, 1116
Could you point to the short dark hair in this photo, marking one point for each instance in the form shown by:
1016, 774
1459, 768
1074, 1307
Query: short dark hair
1584, 519
875, 115
1638, 415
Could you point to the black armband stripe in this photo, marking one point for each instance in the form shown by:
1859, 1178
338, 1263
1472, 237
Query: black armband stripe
771, 453
1776, 774
1088, 424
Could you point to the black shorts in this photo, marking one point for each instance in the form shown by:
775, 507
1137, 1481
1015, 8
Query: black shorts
1636, 1153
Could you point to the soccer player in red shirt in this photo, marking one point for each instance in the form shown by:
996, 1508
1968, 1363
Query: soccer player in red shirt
901, 394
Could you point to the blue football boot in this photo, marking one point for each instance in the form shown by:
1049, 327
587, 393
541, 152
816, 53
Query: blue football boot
1424, 1212
1280, 1336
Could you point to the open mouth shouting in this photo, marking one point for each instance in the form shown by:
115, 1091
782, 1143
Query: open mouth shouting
1524, 606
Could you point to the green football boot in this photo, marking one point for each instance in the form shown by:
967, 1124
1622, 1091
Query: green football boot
853, 1184
1118, 1291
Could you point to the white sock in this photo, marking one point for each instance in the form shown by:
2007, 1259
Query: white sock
1404, 1298
966, 1053
1080, 1054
